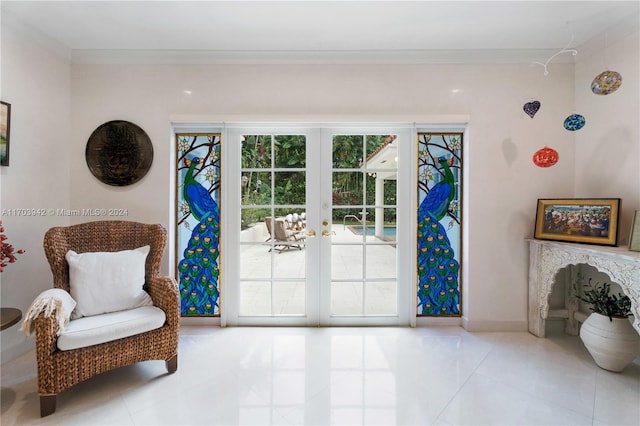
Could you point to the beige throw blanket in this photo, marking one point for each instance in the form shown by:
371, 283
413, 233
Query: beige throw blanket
48, 301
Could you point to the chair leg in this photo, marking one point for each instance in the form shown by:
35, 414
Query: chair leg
47, 405
172, 364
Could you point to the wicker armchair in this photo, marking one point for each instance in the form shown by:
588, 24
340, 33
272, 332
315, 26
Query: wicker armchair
59, 370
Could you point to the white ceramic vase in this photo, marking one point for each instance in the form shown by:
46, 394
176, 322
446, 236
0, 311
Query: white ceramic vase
612, 344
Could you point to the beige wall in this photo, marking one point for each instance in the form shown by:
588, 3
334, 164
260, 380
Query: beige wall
608, 147
55, 114
503, 183
35, 80
608, 154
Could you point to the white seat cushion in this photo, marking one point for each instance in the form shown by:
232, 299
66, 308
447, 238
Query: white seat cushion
89, 331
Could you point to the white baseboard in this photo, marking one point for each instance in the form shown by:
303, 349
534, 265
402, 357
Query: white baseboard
488, 325
438, 322
469, 325
13, 352
203, 321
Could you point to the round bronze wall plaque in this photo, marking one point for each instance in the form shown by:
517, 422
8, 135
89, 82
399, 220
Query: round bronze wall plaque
119, 153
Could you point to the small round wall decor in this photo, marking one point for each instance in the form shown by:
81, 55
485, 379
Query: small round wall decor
574, 122
606, 82
119, 153
531, 108
545, 157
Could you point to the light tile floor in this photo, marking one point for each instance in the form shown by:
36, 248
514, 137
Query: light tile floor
389, 376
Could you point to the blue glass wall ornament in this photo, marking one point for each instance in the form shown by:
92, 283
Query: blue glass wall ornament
574, 122
606, 82
531, 108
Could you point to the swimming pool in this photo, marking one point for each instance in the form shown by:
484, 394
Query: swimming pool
389, 231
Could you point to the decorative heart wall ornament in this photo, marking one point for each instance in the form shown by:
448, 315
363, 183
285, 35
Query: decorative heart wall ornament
574, 122
531, 108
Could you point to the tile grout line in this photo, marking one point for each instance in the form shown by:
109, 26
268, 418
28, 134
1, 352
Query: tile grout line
473, 372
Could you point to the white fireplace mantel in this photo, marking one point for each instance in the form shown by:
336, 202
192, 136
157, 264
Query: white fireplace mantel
546, 258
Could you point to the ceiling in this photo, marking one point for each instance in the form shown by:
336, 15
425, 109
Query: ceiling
347, 28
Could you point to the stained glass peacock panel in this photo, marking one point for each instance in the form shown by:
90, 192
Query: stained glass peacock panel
198, 223
439, 223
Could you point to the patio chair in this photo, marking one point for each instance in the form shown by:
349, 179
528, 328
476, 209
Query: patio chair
268, 222
286, 239
295, 222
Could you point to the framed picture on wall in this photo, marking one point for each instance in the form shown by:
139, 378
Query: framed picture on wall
5, 131
578, 220
634, 238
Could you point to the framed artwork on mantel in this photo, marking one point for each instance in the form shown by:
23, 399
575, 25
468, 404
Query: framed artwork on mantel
634, 238
578, 220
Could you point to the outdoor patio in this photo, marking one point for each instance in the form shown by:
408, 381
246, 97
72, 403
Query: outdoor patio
347, 297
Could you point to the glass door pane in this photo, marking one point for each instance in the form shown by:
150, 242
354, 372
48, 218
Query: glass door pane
316, 241
273, 222
363, 280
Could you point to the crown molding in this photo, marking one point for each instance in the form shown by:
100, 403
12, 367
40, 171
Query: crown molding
195, 57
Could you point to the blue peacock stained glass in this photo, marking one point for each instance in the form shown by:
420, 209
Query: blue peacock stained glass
439, 223
198, 223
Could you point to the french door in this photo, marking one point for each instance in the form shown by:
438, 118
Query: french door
322, 224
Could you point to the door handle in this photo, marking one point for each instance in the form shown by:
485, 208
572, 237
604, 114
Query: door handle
326, 233
311, 233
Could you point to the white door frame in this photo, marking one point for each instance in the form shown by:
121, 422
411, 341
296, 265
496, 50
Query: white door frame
404, 228
317, 296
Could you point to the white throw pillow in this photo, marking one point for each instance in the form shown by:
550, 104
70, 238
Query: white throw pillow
103, 282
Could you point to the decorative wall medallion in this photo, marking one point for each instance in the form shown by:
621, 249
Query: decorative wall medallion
531, 108
606, 82
119, 153
545, 157
574, 122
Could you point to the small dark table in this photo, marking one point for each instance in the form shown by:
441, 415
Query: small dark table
9, 317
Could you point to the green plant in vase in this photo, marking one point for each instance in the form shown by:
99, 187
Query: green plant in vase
607, 333
602, 301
